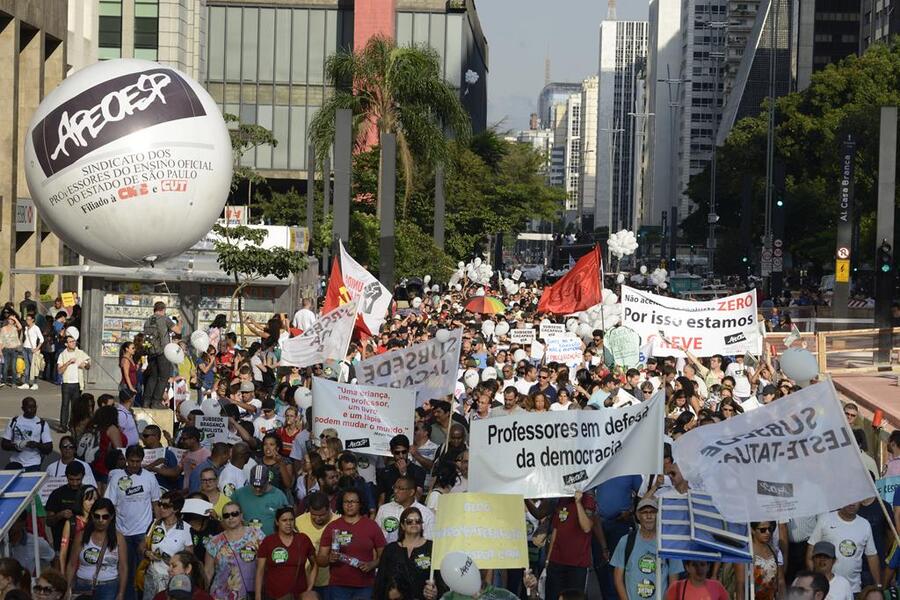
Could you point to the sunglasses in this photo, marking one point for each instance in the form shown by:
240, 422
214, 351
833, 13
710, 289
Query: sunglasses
166, 505
228, 515
769, 529
102, 516
413, 521
66, 447
42, 589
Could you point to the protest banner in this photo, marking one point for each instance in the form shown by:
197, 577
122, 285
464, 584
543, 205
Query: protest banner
517, 275
567, 350
886, 487
625, 345
725, 326
522, 336
428, 368
550, 330
178, 452
326, 340
50, 484
365, 417
778, 462
624, 399
215, 429
546, 455
374, 299
488, 527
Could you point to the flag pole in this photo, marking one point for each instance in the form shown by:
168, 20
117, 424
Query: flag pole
600, 275
659, 577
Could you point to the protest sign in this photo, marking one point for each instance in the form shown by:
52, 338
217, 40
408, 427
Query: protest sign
178, 452
546, 455
365, 417
517, 275
624, 399
215, 429
326, 340
488, 527
778, 462
566, 350
153, 454
625, 345
725, 326
522, 336
550, 330
537, 350
886, 487
50, 484
428, 368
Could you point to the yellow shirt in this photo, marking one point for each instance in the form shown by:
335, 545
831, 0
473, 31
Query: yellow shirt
305, 525
220, 504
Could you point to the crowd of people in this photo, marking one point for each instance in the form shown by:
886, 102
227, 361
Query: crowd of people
274, 512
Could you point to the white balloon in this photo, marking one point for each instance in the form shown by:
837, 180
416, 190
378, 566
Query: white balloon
157, 155
435, 288
643, 269
476, 263
426, 280
200, 341
488, 374
442, 335
471, 379
417, 302
479, 292
585, 330
620, 278
572, 325
461, 574
73, 333
584, 317
514, 289
460, 265
609, 298
303, 398
174, 353
487, 328
520, 355
458, 287
799, 364
502, 328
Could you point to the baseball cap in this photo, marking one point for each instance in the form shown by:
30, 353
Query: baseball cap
247, 386
769, 389
824, 549
259, 476
180, 587
648, 502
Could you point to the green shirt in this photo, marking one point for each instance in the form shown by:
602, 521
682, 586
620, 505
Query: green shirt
487, 593
259, 511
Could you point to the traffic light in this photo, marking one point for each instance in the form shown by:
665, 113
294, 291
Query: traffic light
884, 260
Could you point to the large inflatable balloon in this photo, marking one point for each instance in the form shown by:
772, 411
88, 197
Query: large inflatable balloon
800, 365
461, 574
128, 161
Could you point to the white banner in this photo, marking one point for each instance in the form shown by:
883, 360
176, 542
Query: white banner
792, 458
429, 368
549, 330
326, 340
374, 298
522, 336
725, 326
546, 455
566, 350
365, 417
214, 429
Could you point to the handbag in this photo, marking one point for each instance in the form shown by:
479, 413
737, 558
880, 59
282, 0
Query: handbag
140, 573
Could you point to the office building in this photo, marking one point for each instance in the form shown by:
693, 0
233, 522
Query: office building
573, 156
551, 95
587, 177
32, 63
623, 63
828, 31
879, 20
558, 126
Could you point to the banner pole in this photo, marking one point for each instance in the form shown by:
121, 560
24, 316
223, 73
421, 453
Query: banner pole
659, 576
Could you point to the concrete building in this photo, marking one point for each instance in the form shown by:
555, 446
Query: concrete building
623, 63
83, 31
32, 63
554, 93
587, 178
879, 20
558, 125
573, 155
539, 139
828, 31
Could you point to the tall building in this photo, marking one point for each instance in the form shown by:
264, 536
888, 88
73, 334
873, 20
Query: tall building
83, 30
552, 94
587, 178
558, 125
32, 63
828, 31
879, 21
573, 155
623, 63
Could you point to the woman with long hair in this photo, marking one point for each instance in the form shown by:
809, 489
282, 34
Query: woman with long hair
230, 563
51, 585
278, 465
563, 400
140, 360
407, 561
282, 559
128, 368
81, 415
81, 510
98, 562
167, 536
306, 476
216, 331
768, 564
186, 563
292, 427
13, 576
330, 449
111, 439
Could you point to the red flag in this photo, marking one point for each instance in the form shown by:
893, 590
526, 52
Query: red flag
336, 294
579, 289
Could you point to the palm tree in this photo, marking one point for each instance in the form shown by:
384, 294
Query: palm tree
392, 90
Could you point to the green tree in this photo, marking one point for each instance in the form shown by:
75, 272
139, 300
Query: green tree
397, 90
244, 138
843, 98
240, 254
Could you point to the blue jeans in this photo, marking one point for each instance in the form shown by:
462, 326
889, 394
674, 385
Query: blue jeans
132, 544
323, 591
9, 365
104, 591
27, 354
339, 592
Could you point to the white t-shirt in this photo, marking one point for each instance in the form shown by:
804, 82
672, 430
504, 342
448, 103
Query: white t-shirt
852, 540
524, 386
230, 479
33, 337
255, 364
71, 375
21, 430
58, 469
133, 496
839, 589
262, 426
740, 372
303, 319
388, 518
169, 541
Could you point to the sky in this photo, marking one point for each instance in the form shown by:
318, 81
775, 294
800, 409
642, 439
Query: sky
520, 35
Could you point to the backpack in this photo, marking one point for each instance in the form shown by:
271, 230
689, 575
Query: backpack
88, 446
152, 337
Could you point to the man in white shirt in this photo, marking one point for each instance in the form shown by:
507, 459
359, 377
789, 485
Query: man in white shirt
528, 379
27, 437
135, 493
388, 517
71, 364
31, 344
236, 472
67, 455
824, 558
851, 535
267, 422
741, 373
305, 317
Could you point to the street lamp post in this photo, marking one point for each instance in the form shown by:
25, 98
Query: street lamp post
713, 218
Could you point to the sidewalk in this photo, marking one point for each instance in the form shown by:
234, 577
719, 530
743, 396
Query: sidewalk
873, 392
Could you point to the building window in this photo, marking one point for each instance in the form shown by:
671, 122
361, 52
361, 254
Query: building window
110, 29
146, 29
